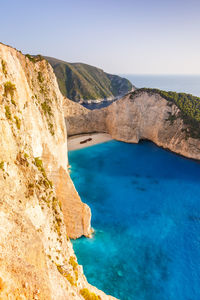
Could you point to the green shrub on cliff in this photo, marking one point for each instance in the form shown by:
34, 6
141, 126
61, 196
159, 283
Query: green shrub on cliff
87, 295
3, 65
40, 77
34, 58
39, 165
51, 128
18, 122
48, 113
67, 275
8, 112
46, 108
73, 262
9, 88
2, 165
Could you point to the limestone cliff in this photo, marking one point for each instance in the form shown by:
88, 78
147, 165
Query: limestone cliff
82, 120
39, 206
135, 117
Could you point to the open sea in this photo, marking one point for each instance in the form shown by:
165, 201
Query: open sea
145, 204
189, 84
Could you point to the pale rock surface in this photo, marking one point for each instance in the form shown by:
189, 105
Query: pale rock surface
82, 120
37, 260
134, 118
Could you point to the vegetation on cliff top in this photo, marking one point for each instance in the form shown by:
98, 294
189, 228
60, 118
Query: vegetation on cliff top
79, 81
34, 58
188, 104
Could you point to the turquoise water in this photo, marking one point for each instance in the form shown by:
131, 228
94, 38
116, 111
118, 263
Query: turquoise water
177, 83
145, 204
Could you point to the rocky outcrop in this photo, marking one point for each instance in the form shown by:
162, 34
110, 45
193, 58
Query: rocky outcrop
39, 206
82, 120
136, 117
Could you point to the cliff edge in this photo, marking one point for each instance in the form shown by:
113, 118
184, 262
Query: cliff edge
39, 206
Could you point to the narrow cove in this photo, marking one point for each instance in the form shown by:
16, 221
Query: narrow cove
146, 216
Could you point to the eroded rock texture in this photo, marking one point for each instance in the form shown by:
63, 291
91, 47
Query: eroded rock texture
133, 118
39, 206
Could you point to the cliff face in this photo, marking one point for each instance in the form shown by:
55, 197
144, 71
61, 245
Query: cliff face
137, 117
36, 104
39, 206
82, 83
82, 120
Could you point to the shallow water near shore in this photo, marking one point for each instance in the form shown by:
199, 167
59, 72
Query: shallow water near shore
145, 204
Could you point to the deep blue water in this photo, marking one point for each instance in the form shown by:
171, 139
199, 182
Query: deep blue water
178, 83
145, 204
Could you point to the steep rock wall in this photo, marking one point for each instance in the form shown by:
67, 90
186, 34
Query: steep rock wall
136, 117
37, 105
36, 257
79, 119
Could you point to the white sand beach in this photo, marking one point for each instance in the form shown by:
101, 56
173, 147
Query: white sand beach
86, 140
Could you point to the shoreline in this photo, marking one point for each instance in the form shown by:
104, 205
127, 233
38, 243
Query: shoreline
86, 140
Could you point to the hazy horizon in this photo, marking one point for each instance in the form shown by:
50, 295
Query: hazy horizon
158, 74
123, 37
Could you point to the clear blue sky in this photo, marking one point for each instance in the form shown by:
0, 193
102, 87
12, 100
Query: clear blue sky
120, 36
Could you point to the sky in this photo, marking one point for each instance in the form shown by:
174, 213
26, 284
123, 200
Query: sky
119, 36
